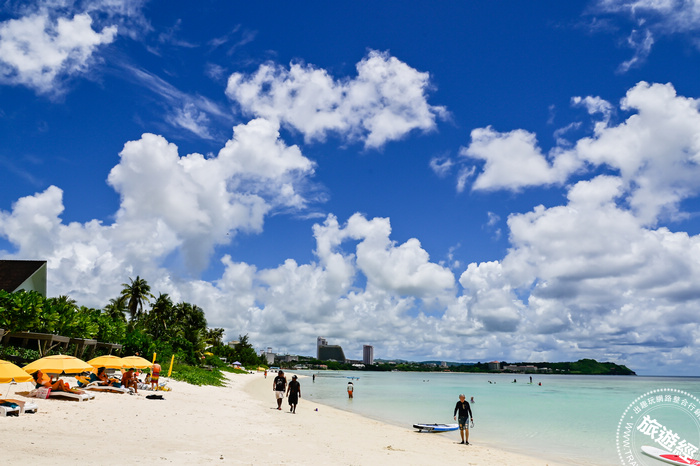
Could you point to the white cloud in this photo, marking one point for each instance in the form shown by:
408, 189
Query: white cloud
594, 105
37, 51
650, 19
492, 303
668, 15
640, 42
441, 165
596, 276
656, 151
385, 102
187, 111
200, 200
170, 206
513, 160
48, 42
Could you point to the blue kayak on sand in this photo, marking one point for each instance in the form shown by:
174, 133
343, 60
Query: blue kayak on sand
436, 427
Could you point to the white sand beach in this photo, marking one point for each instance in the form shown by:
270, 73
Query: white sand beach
236, 424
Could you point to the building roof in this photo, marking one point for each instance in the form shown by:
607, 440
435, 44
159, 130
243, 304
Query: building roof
13, 273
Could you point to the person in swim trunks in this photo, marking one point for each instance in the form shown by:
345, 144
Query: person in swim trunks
465, 414
155, 375
279, 385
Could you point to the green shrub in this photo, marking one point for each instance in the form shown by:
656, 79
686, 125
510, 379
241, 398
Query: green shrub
197, 375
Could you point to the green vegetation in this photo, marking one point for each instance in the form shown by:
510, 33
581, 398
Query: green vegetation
198, 375
25, 354
154, 325
590, 366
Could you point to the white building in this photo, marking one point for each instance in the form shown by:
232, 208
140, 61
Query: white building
269, 356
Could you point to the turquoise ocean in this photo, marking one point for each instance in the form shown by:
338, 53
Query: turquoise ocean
571, 419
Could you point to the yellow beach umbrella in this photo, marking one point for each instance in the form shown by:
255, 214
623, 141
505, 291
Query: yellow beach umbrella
137, 362
11, 373
58, 364
108, 361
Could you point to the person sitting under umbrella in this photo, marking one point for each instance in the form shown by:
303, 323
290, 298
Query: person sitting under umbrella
129, 380
103, 379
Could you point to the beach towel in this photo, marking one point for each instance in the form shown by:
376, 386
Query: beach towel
42, 392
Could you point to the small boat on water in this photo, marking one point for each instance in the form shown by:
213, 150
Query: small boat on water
435, 428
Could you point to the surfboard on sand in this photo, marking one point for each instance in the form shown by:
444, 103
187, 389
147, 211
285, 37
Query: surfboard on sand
668, 457
436, 427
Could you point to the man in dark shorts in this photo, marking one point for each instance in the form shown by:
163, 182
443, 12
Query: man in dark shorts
279, 385
465, 414
293, 394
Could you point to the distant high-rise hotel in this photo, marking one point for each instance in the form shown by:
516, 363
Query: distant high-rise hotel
326, 352
320, 341
367, 354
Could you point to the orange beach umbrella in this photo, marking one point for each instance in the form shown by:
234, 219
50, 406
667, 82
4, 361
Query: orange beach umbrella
11, 373
137, 362
107, 361
58, 364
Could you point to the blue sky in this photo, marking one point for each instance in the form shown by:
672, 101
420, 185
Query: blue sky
484, 180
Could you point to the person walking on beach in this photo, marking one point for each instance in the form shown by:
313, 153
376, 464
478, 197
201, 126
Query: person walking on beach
279, 385
465, 414
293, 394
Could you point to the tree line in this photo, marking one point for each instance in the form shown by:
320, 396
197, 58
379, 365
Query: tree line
136, 319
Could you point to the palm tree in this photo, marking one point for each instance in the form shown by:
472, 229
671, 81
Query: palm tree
116, 309
160, 317
191, 325
136, 292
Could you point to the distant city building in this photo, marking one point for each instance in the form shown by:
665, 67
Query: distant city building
269, 356
367, 354
320, 342
525, 368
233, 343
331, 353
326, 352
443, 364
495, 366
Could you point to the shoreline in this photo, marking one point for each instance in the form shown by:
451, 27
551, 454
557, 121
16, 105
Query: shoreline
380, 440
236, 424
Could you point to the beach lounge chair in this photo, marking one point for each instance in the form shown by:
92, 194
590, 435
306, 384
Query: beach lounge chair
60, 394
9, 409
73, 396
108, 388
24, 406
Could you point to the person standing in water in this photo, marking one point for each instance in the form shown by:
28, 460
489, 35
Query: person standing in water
293, 394
465, 414
351, 388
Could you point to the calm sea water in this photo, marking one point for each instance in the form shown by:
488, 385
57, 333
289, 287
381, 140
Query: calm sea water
571, 419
